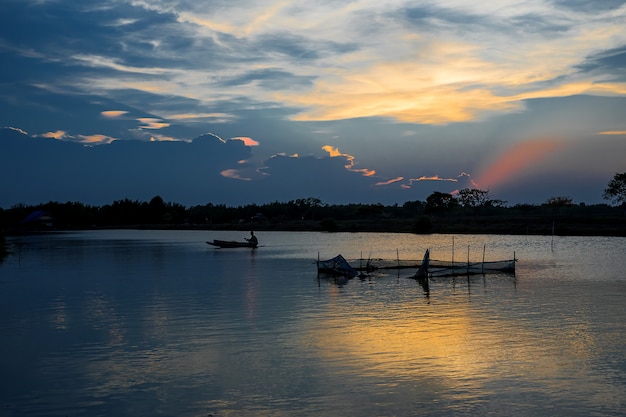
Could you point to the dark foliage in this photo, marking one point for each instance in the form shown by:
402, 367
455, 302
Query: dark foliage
441, 213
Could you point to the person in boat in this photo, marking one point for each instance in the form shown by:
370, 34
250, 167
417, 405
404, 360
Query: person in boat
252, 240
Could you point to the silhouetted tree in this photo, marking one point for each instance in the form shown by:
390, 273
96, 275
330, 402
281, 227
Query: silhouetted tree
439, 202
559, 202
155, 211
473, 197
616, 189
496, 203
123, 212
308, 206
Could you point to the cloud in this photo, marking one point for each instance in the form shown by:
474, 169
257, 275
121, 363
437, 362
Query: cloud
59, 134
96, 139
412, 181
234, 174
613, 132
247, 141
334, 153
108, 170
113, 113
152, 123
433, 64
417, 88
432, 178
307, 176
391, 181
162, 138
204, 117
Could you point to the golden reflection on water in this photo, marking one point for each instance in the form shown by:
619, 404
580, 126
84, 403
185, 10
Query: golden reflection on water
458, 345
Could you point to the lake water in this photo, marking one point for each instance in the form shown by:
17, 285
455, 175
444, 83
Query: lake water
158, 323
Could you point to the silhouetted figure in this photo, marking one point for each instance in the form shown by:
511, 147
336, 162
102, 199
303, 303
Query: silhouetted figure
253, 240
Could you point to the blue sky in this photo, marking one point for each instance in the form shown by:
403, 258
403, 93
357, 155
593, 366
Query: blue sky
240, 102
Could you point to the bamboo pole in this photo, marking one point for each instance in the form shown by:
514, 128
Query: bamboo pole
398, 257
318, 264
482, 269
452, 251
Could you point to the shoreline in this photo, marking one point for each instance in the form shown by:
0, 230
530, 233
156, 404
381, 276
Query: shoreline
473, 225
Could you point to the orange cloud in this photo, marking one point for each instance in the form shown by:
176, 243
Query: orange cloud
113, 113
334, 152
365, 172
518, 158
247, 141
613, 132
162, 138
431, 178
234, 174
152, 123
204, 117
96, 139
59, 134
391, 181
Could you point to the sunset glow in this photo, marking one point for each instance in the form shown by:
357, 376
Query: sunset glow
410, 97
518, 159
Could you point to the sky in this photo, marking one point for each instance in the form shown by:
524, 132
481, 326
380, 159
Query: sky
250, 102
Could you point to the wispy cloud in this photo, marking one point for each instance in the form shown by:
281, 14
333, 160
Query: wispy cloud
613, 132
95, 139
411, 181
416, 87
432, 63
113, 113
234, 174
203, 117
391, 181
162, 138
334, 152
152, 123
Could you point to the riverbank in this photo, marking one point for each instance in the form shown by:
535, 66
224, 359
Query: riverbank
432, 225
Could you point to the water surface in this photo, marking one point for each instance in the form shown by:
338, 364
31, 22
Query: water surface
134, 323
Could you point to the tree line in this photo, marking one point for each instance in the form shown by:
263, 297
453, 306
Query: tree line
312, 213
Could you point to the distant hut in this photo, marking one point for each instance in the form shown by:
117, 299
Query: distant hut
38, 220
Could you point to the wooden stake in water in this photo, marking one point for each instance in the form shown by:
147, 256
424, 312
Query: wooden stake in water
482, 269
453, 251
318, 264
398, 258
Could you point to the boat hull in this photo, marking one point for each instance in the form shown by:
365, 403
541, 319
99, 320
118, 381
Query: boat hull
231, 244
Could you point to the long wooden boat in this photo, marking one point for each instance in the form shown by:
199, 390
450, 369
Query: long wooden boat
232, 244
